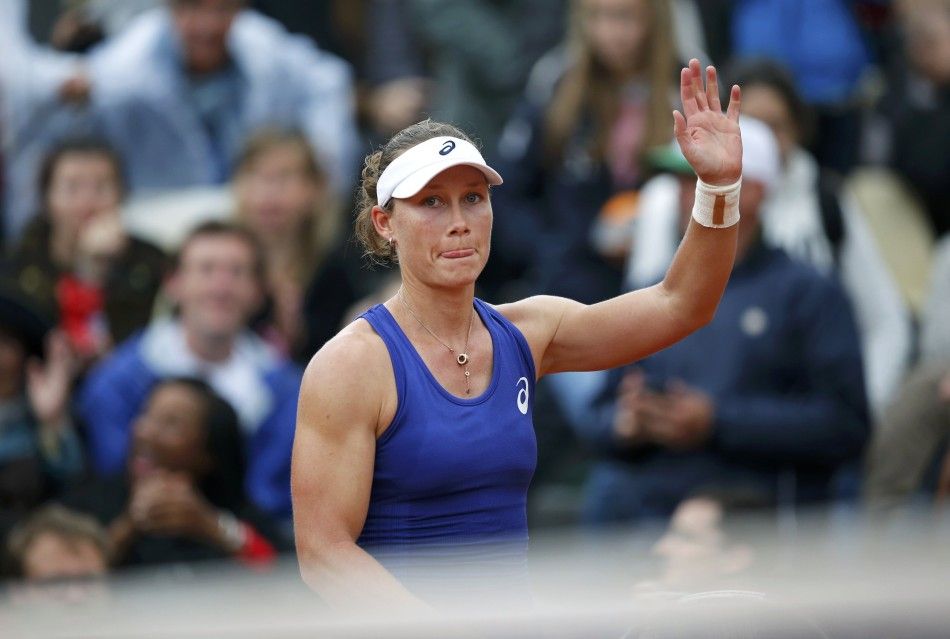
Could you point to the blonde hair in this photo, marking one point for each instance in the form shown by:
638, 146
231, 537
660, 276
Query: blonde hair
587, 88
375, 248
321, 228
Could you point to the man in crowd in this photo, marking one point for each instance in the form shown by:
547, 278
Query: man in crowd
770, 395
179, 89
217, 286
175, 92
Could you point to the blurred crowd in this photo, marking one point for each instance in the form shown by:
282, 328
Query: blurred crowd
177, 183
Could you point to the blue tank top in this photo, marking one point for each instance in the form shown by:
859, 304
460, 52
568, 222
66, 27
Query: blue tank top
452, 471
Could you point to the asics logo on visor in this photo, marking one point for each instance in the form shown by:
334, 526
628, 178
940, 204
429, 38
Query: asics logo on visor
447, 148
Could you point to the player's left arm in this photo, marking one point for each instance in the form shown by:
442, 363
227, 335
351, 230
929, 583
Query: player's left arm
565, 335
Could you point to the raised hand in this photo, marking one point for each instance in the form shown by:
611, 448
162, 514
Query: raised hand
708, 137
48, 383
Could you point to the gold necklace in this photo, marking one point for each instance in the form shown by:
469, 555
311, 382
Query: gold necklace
460, 358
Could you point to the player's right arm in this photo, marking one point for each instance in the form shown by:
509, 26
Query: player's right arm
347, 398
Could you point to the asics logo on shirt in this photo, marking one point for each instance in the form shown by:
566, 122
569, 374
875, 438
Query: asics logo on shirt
523, 396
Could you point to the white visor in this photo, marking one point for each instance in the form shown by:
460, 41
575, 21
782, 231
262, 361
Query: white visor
407, 174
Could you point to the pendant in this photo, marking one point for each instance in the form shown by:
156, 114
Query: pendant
462, 359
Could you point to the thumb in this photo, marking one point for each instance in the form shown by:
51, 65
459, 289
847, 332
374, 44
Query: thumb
679, 128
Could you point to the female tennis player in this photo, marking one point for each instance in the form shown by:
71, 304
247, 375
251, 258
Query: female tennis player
414, 424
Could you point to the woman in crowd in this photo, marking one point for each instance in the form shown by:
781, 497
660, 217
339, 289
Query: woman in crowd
182, 496
283, 197
572, 153
415, 422
76, 255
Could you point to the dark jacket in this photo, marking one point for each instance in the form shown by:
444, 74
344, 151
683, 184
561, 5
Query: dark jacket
782, 363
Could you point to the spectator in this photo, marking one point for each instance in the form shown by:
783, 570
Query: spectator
770, 394
55, 542
913, 432
571, 160
283, 199
576, 143
217, 285
712, 540
39, 448
821, 42
813, 219
60, 555
916, 106
181, 497
76, 256
180, 88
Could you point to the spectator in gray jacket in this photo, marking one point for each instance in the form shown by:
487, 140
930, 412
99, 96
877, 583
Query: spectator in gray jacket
179, 90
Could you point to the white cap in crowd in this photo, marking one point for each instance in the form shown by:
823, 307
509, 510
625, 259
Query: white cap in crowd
761, 161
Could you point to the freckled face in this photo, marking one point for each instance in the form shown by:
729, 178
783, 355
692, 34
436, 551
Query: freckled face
443, 232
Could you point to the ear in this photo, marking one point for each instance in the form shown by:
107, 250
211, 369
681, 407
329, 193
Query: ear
382, 222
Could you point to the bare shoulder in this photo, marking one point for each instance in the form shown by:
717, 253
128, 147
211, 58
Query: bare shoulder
542, 309
538, 319
347, 379
351, 353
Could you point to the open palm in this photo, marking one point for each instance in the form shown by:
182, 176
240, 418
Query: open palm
48, 382
708, 137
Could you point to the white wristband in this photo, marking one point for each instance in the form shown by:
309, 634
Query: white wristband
717, 206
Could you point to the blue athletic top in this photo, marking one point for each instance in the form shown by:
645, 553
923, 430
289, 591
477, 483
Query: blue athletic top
451, 471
